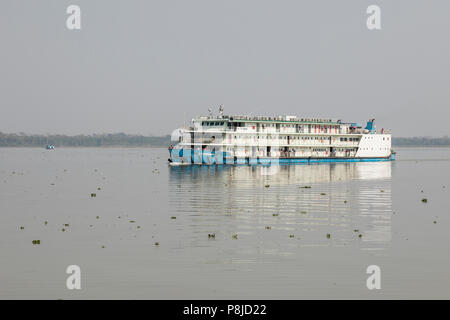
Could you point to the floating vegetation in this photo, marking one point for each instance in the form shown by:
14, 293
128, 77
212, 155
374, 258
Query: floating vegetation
99, 188
211, 235
234, 236
328, 236
97, 217
36, 242
424, 200
156, 243
173, 218
267, 185
305, 187
138, 227
359, 235
345, 201
356, 230
103, 247
275, 214
268, 227
291, 236
45, 222
66, 225
381, 190
434, 221
303, 212
93, 195
63, 229
323, 194
21, 228
132, 221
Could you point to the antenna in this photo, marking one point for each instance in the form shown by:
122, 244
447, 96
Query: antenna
221, 110
210, 112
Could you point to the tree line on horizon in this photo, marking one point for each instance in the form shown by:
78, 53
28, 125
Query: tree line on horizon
130, 140
95, 140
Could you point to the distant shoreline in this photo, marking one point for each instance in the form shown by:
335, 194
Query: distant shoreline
85, 147
115, 140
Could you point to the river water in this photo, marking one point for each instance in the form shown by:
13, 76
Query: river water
289, 232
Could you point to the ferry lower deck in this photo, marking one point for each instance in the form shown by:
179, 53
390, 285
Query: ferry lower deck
210, 159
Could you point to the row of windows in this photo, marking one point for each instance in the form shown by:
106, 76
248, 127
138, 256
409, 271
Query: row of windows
210, 124
268, 125
387, 138
294, 138
314, 149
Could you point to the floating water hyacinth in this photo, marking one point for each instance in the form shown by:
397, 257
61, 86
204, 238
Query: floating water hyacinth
305, 187
132, 221
93, 195
424, 200
211, 235
234, 236
156, 243
275, 214
268, 227
323, 194
303, 212
328, 235
36, 242
267, 185
21, 228
291, 236
360, 235
173, 218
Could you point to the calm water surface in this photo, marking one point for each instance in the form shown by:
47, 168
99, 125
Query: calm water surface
372, 212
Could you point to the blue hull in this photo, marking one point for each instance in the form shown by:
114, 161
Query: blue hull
208, 158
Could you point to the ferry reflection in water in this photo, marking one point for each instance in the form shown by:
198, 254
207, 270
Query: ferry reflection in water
295, 205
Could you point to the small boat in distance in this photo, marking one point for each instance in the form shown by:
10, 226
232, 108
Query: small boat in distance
238, 139
49, 147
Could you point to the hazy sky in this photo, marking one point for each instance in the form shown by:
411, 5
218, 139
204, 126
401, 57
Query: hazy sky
148, 66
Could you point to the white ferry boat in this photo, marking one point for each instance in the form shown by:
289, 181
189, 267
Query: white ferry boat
237, 139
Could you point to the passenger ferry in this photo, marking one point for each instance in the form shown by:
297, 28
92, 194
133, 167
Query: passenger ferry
238, 139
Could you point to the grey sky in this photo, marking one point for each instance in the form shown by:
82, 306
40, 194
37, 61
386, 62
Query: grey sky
148, 66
